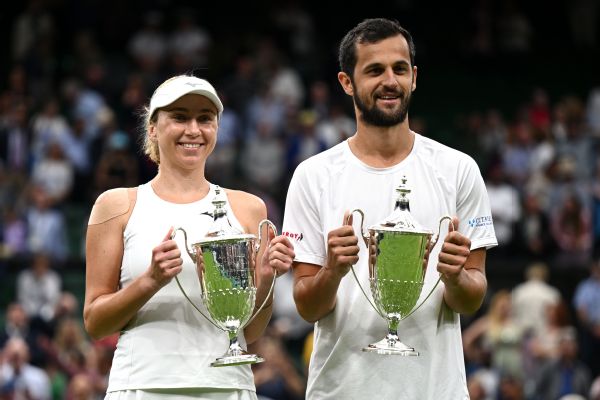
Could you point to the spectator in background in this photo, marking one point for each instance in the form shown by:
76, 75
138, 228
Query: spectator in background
566, 375
46, 227
14, 138
38, 288
81, 388
499, 334
54, 173
571, 228
531, 299
188, 45
18, 378
533, 235
263, 159
117, 167
593, 111
587, 304
493, 135
303, 142
148, 45
596, 204
578, 144
47, 126
505, 205
221, 166
595, 389
517, 154
336, 127
543, 346
14, 233
16, 324
241, 87
277, 378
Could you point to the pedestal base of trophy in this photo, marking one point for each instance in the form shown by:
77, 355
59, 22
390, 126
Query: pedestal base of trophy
239, 359
392, 348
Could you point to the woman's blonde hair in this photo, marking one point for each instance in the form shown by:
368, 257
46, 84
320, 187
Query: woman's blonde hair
150, 147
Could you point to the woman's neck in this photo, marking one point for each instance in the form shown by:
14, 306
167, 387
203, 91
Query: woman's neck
178, 187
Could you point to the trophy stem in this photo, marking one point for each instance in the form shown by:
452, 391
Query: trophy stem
391, 344
236, 355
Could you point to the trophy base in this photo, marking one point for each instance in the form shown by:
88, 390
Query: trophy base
394, 348
240, 359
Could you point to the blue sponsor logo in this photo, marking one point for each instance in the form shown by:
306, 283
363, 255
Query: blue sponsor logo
478, 222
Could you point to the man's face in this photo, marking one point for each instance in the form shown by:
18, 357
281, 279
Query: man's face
383, 81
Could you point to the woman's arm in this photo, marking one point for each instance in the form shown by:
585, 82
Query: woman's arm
108, 308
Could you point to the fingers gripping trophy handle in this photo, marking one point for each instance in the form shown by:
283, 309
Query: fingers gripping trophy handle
366, 240
257, 247
194, 258
434, 241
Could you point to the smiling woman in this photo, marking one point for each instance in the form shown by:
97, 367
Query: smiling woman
165, 347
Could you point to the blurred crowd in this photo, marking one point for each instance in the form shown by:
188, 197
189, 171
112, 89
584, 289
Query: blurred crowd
69, 130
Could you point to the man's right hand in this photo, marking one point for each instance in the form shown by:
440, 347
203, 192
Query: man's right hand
342, 247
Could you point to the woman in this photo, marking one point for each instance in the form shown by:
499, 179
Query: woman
165, 347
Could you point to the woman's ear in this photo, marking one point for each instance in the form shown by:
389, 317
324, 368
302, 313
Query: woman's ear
152, 132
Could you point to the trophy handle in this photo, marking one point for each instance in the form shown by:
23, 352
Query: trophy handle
365, 237
431, 246
256, 248
194, 258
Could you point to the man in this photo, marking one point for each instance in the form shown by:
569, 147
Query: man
532, 298
377, 70
586, 300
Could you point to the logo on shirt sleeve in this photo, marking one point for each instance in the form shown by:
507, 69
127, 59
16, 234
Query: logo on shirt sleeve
294, 236
479, 222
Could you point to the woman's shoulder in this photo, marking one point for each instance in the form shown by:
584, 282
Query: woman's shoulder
112, 203
246, 200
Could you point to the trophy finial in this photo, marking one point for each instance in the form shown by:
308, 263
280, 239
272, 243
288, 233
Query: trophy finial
402, 202
221, 225
219, 202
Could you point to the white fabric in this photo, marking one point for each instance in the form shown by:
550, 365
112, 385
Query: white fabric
183, 394
530, 302
169, 344
443, 182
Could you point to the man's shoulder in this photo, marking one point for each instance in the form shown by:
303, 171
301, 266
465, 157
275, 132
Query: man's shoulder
324, 161
442, 151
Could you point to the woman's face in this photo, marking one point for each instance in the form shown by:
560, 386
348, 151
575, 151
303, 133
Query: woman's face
185, 131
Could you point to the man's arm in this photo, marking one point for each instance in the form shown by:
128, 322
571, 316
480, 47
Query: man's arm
315, 287
463, 273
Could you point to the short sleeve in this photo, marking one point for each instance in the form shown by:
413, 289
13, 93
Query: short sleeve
302, 221
473, 206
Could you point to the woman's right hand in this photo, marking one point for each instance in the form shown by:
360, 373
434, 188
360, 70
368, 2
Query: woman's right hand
166, 261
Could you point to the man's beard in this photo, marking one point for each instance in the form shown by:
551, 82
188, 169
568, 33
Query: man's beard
377, 117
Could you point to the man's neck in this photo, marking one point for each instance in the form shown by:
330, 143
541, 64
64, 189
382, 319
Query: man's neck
382, 147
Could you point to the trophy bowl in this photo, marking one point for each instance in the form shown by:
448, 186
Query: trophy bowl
398, 255
226, 265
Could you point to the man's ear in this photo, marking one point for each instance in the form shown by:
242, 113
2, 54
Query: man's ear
414, 81
346, 83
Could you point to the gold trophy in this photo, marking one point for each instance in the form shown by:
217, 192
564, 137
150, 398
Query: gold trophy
226, 263
397, 264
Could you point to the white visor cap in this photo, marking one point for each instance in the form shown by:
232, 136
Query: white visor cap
178, 86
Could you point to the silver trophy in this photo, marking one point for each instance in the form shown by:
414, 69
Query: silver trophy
398, 252
226, 263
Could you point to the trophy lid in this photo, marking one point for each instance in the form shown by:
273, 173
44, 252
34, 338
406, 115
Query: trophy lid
401, 220
221, 228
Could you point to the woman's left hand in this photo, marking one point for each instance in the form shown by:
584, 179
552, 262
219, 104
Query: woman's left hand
278, 256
